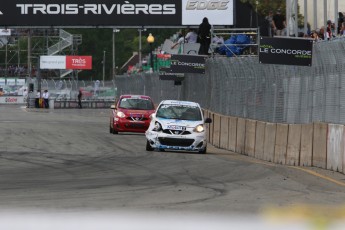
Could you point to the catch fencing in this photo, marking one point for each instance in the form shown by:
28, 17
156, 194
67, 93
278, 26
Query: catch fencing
242, 87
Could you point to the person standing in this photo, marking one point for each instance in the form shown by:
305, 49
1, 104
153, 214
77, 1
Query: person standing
191, 36
46, 99
204, 36
80, 95
279, 23
270, 23
37, 99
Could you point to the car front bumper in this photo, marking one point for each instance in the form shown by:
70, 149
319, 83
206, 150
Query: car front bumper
191, 142
124, 125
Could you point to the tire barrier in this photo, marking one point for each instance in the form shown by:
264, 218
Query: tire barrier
320, 145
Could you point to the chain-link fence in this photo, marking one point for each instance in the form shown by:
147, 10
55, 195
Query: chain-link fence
68, 89
243, 87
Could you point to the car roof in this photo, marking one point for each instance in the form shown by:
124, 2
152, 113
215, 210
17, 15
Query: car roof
134, 96
177, 102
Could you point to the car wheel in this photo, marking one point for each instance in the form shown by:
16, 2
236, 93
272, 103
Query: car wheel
115, 132
203, 151
148, 146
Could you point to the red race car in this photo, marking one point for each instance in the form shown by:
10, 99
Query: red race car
131, 113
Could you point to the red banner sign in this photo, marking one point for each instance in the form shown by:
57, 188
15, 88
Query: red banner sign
78, 62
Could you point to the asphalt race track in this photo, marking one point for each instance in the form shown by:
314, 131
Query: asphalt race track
66, 161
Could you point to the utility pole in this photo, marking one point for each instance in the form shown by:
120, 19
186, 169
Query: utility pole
103, 66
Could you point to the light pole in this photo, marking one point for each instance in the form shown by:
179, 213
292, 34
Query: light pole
114, 70
140, 62
150, 40
103, 66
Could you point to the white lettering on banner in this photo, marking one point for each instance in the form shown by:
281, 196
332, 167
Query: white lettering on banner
97, 9
78, 61
290, 51
191, 64
207, 5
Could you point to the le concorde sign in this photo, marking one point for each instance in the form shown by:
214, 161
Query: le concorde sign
111, 13
286, 51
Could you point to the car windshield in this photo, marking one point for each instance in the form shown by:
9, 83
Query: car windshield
179, 112
136, 103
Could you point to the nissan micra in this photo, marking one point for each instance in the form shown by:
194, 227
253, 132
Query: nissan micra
131, 113
177, 125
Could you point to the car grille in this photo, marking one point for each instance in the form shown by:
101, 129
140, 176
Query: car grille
136, 118
175, 141
176, 132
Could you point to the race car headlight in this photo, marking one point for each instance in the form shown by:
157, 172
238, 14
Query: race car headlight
120, 114
199, 128
157, 127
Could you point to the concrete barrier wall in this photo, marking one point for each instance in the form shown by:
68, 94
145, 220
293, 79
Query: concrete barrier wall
320, 145
224, 132
249, 147
216, 130
241, 135
306, 156
293, 145
335, 147
232, 133
260, 139
269, 143
281, 143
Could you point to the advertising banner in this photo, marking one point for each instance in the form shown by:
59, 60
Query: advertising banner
5, 32
90, 13
53, 62
187, 64
286, 51
219, 12
78, 62
181, 64
65, 62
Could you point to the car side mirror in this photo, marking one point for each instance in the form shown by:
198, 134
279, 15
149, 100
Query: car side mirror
113, 106
208, 120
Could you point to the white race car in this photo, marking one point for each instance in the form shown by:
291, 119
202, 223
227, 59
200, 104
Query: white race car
177, 125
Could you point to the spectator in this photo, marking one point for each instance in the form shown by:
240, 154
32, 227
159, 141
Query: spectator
80, 95
25, 94
191, 36
279, 23
342, 29
340, 22
270, 23
179, 43
204, 36
46, 99
323, 35
329, 30
37, 99
314, 35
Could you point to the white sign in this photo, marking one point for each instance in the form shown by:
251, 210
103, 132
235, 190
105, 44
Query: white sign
12, 100
5, 32
218, 12
20, 81
52, 62
11, 81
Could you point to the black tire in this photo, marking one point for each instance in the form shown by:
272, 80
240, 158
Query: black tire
203, 151
148, 146
115, 132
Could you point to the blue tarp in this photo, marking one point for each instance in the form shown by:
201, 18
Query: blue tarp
232, 50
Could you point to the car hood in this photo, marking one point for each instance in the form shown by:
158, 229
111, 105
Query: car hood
165, 122
135, 112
